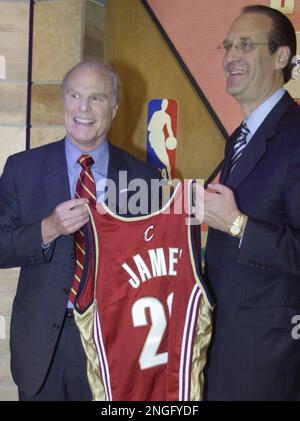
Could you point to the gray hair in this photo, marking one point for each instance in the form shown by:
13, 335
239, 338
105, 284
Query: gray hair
102, 67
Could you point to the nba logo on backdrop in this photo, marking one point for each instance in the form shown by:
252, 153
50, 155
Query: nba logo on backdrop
161, 135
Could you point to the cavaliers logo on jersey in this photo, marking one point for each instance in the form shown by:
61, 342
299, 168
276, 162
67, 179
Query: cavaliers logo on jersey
149, 233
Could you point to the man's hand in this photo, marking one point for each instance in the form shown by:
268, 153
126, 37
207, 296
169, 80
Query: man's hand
67, 218
220, 207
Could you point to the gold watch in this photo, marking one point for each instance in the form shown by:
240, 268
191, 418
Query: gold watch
235, 228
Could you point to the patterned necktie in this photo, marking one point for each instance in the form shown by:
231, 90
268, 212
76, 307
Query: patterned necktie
85, 187
239, 146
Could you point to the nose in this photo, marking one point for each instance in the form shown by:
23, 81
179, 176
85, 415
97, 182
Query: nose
232, 55
84, 104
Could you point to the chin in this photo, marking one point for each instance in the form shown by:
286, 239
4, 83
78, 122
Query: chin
234, 90
82, 138
79, 142
230, 90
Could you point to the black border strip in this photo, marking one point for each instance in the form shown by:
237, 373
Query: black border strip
29, 74
186, 70
213, 174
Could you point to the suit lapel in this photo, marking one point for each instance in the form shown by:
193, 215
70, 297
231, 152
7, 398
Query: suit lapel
56, 180
249, 159
228, 153
115, 165
256, 149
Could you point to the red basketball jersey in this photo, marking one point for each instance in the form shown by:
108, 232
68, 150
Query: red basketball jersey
149, 325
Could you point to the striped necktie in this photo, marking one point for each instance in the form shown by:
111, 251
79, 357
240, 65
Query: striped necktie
239, 146
85, 188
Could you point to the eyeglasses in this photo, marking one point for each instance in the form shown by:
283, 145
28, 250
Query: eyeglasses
242, 46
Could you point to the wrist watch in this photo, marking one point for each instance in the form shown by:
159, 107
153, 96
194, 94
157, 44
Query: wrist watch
235, 228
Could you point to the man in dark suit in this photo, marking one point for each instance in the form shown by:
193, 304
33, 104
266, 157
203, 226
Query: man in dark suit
38, 217
253, 248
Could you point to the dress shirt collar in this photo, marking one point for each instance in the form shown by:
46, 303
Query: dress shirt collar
256, 118
100, 156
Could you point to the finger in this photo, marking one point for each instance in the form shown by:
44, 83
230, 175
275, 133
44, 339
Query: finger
219, 188
79, 224
74, 224
80, 203
209, 195
69, 204
80, 206
75, 228
78, 209
77, 216
67, 216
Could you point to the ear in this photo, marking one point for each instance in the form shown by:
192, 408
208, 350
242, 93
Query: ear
282, 57
114, 110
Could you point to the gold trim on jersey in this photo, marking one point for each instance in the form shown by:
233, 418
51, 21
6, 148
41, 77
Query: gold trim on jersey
204, 323
192, 257
85, 323
201, 344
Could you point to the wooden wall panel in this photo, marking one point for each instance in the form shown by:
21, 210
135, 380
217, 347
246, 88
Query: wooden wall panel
12, 140
46, 105
65, 31
2, 67
8, 284
14, 32
13, 103
148, 69
8, 390
57, 38
93, 30
42, 135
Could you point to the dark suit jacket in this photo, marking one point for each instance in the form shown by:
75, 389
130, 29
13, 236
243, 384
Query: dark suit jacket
32, 185
257, 285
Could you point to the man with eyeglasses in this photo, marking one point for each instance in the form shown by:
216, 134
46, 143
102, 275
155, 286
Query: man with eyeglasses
253, 248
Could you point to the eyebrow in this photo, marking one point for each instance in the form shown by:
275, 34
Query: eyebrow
74, 90
241, 39
99, 94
